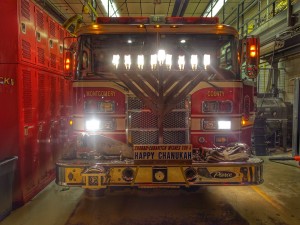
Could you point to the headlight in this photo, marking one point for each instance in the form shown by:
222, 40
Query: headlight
224, 125
216, 125
92, 125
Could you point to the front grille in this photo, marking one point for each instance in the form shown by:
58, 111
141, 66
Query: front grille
143, 124
176, 119
144, 137
142, 120
135, 103
175, 137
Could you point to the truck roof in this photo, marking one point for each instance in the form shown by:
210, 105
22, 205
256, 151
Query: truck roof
119, 25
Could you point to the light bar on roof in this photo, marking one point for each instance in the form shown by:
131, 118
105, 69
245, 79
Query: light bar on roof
167, 20
192, 20
123, 20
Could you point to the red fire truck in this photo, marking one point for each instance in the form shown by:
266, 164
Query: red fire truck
161, 102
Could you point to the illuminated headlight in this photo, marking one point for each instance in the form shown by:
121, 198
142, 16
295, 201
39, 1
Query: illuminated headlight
224, 125
216, 125
92, 125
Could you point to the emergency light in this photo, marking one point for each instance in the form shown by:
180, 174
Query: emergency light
252, 51
157, 20
67, 66
252, 57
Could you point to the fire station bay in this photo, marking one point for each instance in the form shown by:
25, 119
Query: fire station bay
149, 112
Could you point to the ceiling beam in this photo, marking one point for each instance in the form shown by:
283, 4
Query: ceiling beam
180, 7
48, 6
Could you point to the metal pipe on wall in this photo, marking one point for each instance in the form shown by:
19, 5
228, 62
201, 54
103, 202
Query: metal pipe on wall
289, 13
296, 122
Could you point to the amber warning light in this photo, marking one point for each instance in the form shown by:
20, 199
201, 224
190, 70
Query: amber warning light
253, 51
67, 64
252, 57
67, 61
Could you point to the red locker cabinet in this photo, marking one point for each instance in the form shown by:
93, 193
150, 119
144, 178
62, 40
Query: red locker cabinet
53, 44
46, 163
61, 37
9, 23
33, 94
42, 48
26, 32
9, 111
28, 151
54, 98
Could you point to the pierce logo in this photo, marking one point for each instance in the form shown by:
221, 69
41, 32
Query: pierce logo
223, 174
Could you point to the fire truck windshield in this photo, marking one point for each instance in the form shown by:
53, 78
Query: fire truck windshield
101, 56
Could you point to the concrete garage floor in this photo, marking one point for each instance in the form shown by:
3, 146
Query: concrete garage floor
275, 202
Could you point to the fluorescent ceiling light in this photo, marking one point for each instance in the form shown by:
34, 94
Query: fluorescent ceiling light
110, 7
214, 7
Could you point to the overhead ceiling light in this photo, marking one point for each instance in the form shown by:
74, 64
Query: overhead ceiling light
110, 8
214, 7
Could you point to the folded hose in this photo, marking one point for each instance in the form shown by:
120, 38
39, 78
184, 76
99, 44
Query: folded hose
236, 153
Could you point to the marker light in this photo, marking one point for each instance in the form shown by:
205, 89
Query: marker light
169, 61
92, 125
67, 66
127, 61
206, 60
67, 61
252, 51
194, 62
161, 56
153, 61
140, 61
116, 60
181, 62
243, 122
